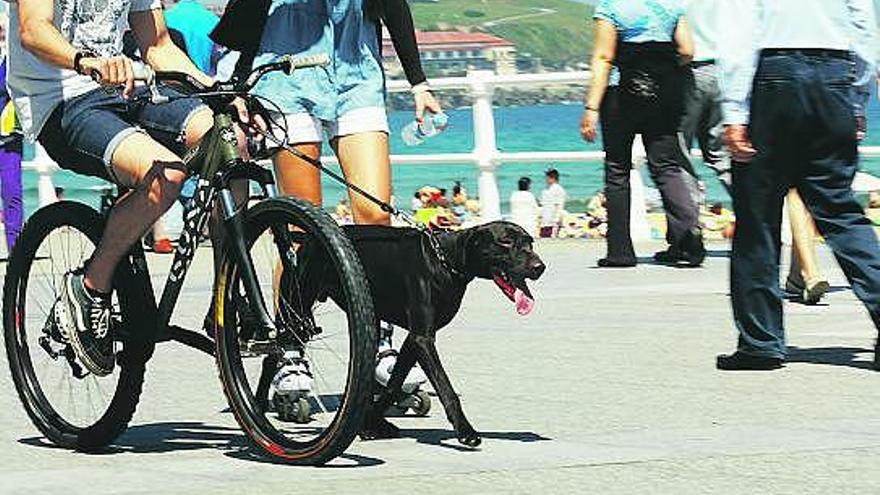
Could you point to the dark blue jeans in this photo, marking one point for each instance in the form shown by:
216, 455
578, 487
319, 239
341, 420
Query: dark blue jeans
802, 125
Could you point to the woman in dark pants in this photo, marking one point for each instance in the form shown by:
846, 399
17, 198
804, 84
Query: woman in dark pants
650, 44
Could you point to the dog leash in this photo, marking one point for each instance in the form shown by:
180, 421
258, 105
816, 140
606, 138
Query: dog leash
433, 241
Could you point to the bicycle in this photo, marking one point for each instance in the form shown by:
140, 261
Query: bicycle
253, 316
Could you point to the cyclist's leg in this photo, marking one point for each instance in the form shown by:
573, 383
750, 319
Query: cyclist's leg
155, 175
164, 124
144, 162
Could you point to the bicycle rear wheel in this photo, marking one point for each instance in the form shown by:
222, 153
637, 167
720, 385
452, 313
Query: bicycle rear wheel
70, 407
294, 248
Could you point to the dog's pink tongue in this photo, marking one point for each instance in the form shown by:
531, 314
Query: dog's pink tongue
524, 303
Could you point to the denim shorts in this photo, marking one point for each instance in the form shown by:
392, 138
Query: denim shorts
82, 133
353, 80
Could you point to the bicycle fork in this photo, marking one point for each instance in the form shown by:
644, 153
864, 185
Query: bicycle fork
236, 245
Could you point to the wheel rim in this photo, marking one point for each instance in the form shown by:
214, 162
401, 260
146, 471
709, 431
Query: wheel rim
329, 354
65, 402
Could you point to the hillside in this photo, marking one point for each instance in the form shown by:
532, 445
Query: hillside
559, 32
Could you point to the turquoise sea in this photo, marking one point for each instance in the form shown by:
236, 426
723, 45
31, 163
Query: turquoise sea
533, 128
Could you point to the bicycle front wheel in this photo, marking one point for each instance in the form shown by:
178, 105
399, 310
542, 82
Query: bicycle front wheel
300, 393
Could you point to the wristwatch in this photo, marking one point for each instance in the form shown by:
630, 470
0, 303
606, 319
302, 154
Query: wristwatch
77, 61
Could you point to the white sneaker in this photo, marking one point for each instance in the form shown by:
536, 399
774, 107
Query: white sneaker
386, 359
294, 377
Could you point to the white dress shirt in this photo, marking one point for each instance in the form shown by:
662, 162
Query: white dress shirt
752, 25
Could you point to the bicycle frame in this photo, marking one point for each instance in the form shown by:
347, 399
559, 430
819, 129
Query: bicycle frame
216, 161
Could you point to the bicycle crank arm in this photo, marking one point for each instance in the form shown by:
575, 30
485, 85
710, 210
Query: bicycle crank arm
192, 339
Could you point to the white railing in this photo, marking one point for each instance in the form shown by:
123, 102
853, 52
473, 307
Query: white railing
485, 155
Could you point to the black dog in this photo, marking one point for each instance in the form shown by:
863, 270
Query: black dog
417, 288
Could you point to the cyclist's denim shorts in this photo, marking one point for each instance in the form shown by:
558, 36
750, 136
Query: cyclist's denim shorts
83, 133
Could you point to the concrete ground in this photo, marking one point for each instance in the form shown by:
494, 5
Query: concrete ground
608, 387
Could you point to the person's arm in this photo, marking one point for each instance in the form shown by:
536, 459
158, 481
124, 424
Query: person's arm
39, 36
738, 55
157, 48
36, 27
684, 41
738, 58
864, 46
604, 49
160, 52
397, 17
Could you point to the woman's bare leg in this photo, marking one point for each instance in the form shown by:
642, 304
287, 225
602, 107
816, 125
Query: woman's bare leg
804, 265
365, 161
298, 178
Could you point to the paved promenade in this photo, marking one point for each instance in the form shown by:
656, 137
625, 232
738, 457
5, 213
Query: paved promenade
608, 387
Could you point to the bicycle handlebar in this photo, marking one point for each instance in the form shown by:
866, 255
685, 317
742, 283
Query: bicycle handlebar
288, 64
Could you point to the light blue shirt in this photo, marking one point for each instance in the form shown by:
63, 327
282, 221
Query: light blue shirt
643, 21
195, 23
705, 23
759, 24
640, 22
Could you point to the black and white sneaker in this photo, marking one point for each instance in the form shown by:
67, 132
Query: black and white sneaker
85, 322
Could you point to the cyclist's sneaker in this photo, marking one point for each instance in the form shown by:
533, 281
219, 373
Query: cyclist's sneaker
85, 322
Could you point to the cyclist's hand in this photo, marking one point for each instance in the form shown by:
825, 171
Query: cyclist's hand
426, 101
111, 71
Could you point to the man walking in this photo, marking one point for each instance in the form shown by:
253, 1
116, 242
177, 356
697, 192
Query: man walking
553, 199
702, 119
789, 93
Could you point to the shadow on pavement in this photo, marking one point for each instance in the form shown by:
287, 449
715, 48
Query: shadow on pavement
649, 260
446, 438
344, 461
158, 438
832, 356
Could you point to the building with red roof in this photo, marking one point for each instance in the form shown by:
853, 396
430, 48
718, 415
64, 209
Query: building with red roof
451, 53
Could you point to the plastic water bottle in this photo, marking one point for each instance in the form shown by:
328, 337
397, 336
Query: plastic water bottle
414, 134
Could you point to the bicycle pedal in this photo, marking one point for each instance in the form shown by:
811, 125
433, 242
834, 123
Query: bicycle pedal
46, 345
78, 372
256, 348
